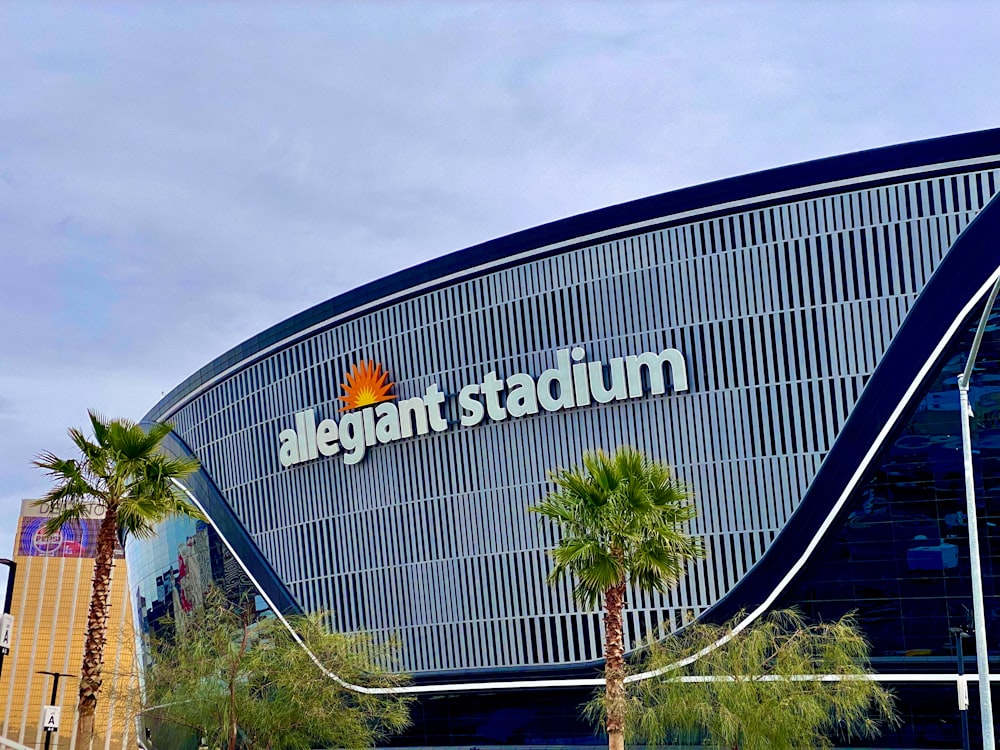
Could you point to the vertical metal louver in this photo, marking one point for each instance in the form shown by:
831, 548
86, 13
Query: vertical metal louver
782, 312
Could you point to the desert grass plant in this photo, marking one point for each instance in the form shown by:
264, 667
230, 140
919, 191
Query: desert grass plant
782, 683
240, 680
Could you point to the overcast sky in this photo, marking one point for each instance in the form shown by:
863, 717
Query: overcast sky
174, 178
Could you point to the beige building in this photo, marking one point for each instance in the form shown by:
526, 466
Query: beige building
49, 605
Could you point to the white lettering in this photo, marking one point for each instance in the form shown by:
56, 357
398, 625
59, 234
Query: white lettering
562, 376
368, 419
387, 427
413, 417
288, 450
326, 438
310, 427
300, 430
434, 401
604, 393
571, 383
581, 385
522, 398
473, 411
492, 387
352, 437
654, 368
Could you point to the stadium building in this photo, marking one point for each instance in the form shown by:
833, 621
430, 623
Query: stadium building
788, 341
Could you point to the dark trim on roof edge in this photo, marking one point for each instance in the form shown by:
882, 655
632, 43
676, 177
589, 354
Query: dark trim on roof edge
926, 153
967, 266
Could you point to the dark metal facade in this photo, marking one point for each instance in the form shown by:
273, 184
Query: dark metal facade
782, 291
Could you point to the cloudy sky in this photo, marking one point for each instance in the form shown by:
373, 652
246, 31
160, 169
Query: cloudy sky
176, 177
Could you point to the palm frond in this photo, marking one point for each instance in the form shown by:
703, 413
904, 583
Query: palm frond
620, 517
65, 514
120, 467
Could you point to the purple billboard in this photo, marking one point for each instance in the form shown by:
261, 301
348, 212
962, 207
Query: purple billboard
74, 539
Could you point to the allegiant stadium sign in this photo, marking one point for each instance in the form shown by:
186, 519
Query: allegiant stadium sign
373, 415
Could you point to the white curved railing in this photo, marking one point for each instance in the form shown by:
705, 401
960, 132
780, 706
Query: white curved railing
742, 625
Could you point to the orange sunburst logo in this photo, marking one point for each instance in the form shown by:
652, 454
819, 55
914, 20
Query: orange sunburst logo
366, 384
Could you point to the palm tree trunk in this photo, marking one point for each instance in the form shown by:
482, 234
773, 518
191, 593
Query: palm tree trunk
234, 672
614, 666
97, 626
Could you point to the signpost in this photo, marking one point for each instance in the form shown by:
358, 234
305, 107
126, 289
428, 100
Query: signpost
50, 719
6, 633
52, 712
6, 621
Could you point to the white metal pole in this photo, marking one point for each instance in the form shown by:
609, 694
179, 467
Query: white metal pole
975, 572
975, 567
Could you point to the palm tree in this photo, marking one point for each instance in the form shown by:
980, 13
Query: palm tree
622, 520
123, 473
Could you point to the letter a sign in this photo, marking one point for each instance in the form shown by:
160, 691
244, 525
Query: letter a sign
50, 718
6, 633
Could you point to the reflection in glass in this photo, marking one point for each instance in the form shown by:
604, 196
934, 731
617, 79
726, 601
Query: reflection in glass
195, 560
899, 556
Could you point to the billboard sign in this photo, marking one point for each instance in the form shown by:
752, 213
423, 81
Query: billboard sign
75, 539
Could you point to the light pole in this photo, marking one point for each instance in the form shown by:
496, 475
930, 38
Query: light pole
7, 624
975, 567
52, 702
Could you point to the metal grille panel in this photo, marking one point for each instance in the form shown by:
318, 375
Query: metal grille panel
782, 313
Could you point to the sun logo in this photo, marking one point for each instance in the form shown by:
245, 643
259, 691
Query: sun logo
366, 384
